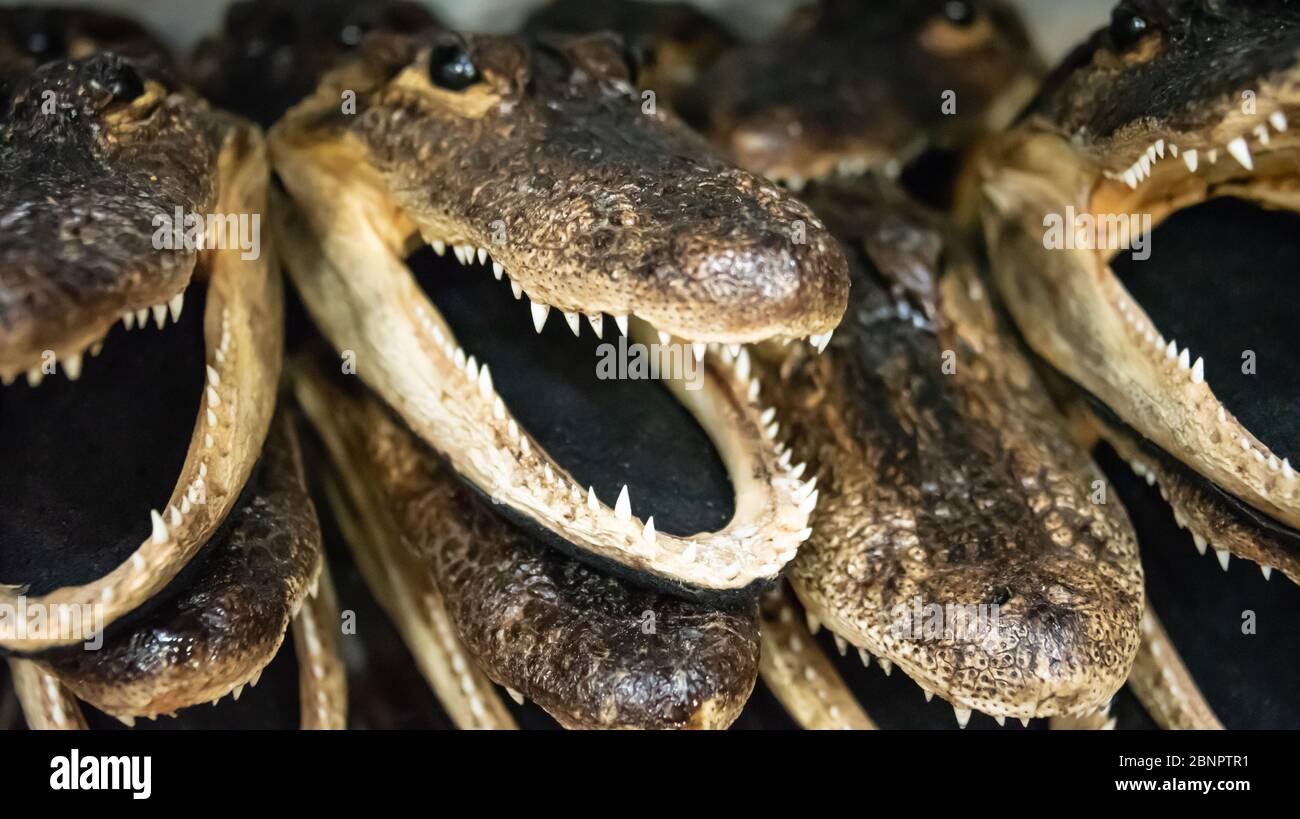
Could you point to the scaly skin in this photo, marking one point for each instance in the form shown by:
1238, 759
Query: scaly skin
649, 223
851, 86
951, 486
591, 650
1154, 123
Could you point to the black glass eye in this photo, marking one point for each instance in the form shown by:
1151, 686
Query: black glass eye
959, 12
1000, 595
450, 67
351, 35
1127, 28
126, 86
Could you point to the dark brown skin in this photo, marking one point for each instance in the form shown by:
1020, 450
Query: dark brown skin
222, 628
667, 44
654, 224
549, 627
851, 86
1151, 116
120, 148
32, 35
272, 53
951, 486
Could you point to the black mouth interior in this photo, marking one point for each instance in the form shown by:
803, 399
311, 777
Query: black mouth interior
82, 462
606, 433
1223, 279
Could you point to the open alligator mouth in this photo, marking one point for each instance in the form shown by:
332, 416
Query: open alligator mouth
140, 381
1182, 333
652, 236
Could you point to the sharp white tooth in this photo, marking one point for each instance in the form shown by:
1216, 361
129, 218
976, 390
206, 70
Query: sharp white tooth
1173, 150
1160, 148
484, 383
795, 182
623, 506
498, 408
963, 715
804, 534
700, 349
1278, 120
1198, 371
768, 416
1189, 158
752, 393
160, 315
159, 535
1130, 178
1002, 721
1185, 359
664, 338
1241, 152
1212, 155
72, 367
482, 255
1172, 350
175, 306
865, 657
1267, 572
142, 317
841, 645
742, 366
1286, 469
648, 533
1200, 542
592, 503
540, 312
460, 254
439, 246
1024, 721
173, 516
814, 625
516, 289
1261, 133
515, 695
35, 376
128, 320
1151, 153
797, 472
621, 321
498, 270
886, 666
1224, 557
572, 319
1144, 166
458, 357
597, 323
214, 400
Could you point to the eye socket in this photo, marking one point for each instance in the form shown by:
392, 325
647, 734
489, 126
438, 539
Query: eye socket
1127, 28
42, 42
126, 86
960, 13
451, 67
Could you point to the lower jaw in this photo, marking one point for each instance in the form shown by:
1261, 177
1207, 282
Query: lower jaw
1216, 519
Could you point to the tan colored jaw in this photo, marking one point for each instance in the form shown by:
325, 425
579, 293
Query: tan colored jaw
47, 705
1074, 312
243, 327
344, 252
322, 679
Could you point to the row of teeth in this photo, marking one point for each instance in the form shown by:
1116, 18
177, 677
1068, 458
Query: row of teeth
1238, 149
643, 535
1200, 541
847, 168
962, 714
1196, 372
71, 365
468, 254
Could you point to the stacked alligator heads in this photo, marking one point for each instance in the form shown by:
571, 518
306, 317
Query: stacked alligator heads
156, 536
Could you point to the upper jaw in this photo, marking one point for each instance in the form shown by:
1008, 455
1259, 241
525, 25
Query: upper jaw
1075, 312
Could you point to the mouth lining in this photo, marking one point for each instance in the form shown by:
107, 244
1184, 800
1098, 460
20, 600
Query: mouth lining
87, 455
550, 385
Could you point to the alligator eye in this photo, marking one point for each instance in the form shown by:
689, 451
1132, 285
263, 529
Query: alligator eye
959, 12
1001, 595
450, 67
1127, 28
127, 86
351, 35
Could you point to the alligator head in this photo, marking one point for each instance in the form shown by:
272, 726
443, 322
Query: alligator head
949, 484
668, 44
31, 35
125, 445
1175, 118
852, 86
534, 161
271, 53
